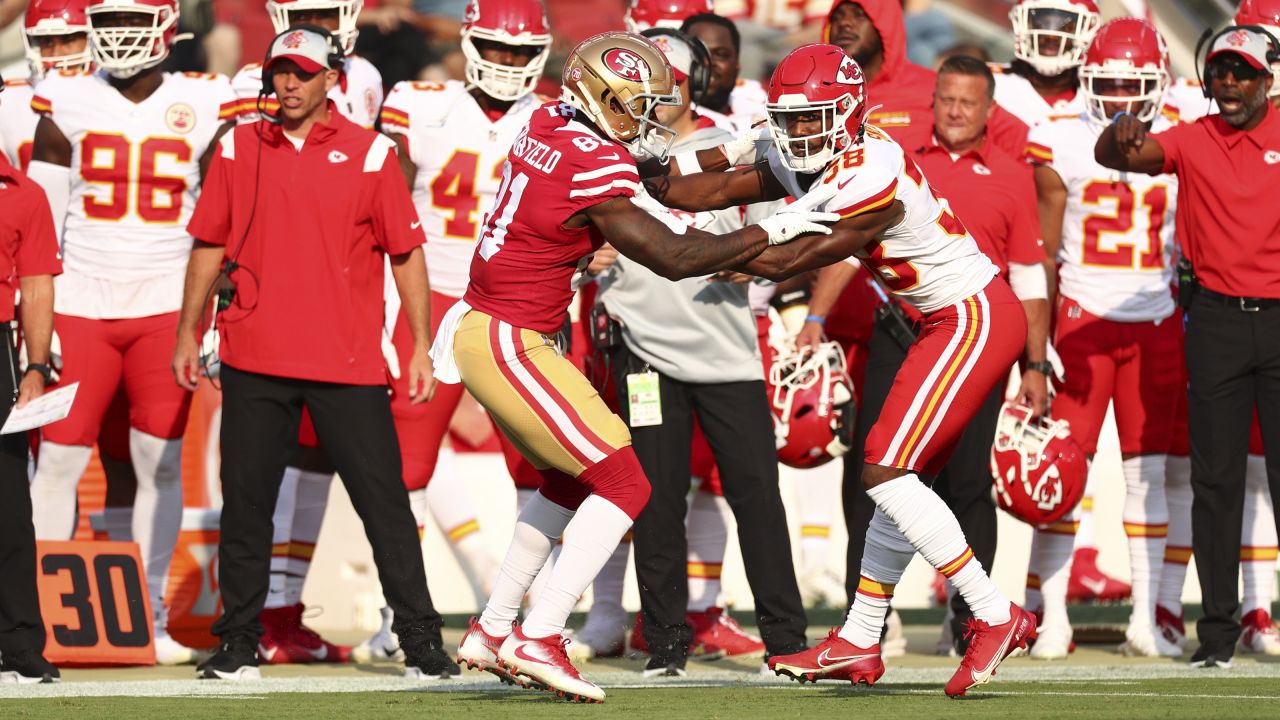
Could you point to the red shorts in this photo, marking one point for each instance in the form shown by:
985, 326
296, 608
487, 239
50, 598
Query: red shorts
962, 352
1136, 366
105, 355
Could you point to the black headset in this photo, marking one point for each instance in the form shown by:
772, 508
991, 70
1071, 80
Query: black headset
700, 69
1208, 37
335, 59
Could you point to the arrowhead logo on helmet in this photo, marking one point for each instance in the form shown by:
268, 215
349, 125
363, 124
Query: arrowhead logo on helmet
1039, 470
849, 73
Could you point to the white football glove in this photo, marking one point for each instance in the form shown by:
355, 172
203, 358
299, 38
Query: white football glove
748, 148
389, 354
800, 217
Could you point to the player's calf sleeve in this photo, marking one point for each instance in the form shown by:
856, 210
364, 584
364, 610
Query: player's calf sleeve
418, 506
1146, 524
53, 489
932, 529
157, 506
1084, 534
707, 532
620, 480
308, 515
1051, 549
1257, 539
1177, 549
818, 497
590, 539
884, 558
281, 538
606, 589
538, 528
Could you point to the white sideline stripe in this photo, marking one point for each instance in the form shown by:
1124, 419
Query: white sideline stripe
606, 170
588, 192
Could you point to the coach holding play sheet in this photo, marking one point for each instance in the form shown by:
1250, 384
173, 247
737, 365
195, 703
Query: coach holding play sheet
1228, 168
300, 210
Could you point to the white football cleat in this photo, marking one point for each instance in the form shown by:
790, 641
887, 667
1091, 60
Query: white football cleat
894, 643
1053, 641
1259, 635
543, 663
172, 652
1144, 641
604, 634
479, 651
382, 646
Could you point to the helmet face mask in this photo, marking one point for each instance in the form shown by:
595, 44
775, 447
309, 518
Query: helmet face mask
49, 21
129, 36
1052, 35
1125, 69
1039, 470
797, 146
282, 17
813, 404
519, 26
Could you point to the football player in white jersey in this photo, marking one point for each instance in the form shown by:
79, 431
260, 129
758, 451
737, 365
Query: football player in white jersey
117, 151
454, 138
1049, 40
974, 328
1117, 330
358, 94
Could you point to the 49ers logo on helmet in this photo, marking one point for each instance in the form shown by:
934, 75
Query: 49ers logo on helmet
849, 73
627, 65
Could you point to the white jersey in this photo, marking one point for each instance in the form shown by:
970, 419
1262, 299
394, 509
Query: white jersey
928, 260
1017, 95
746, 107
358, 94
135, 175
1117, 229
17, 122
459, 153
1187, 95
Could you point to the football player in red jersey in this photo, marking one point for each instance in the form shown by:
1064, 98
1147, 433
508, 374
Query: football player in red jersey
570, 184
974, 329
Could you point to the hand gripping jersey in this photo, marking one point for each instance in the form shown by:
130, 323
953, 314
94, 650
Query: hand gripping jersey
358, 93
523, 267
17, 123
1117, 231
459, 153
1017, 95
135, 175
929, 259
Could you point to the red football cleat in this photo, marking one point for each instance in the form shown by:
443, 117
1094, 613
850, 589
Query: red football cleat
717, 635
637, 644
833, 659
1088, 583
989, 645
1171, 626
286, 640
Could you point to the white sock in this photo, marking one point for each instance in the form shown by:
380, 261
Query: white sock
451, 504
157, 506
418, 506
589, 540
1177, 549
281, 537
1146, 524
308, 516
606, 589
884, 558
53, 489
707, 532
538, 528
933, 531
1051, 565
1084, 534
818, 497
118, 522
1258, 540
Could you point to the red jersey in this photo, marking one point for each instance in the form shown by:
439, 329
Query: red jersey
523, 268
28, 245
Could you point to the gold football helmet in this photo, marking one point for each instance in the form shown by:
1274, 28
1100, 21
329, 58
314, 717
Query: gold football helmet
617, 79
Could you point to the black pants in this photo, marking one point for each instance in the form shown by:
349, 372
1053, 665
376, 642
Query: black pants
260, 416
1233, 363
965, 483
735, 419
20, 625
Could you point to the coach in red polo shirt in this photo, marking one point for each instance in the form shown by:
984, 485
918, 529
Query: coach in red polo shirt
29, 259
1228, 168
301, 211
994, 196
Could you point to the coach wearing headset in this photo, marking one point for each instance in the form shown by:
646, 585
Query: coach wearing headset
1228, 166
297, 214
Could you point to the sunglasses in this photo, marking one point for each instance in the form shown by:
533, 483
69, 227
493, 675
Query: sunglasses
1241, 70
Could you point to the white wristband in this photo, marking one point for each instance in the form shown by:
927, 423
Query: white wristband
1028, 281
687, 162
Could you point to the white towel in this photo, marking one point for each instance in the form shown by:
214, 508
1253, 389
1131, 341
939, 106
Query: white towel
442, 348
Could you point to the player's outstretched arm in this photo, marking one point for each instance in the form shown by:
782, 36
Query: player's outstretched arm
808, 253
1125, 145
716, 190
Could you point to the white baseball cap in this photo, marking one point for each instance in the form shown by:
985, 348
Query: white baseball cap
1247, 44
310, 50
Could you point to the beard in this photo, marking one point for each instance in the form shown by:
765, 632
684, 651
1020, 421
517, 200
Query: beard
1252, 103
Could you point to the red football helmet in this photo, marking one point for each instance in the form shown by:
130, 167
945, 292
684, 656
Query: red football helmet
1051, 35
1125, 51
1039, 470
510, 22
1266, 14
123, 50
645, 14
813, 405
348, 12
816, 78
49, 18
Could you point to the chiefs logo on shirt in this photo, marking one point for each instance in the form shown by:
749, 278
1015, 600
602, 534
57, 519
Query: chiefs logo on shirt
627, 65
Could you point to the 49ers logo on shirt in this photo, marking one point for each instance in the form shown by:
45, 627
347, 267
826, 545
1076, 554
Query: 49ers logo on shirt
627, 65
849, 72
180, 117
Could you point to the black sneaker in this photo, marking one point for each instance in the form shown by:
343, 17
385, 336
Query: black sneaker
1207, 657
664, 667
428, 661
27, 667
235, 659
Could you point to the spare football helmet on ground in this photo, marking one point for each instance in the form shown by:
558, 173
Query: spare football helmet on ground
1039, 469
814, 407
